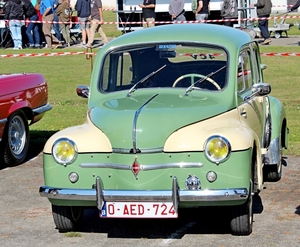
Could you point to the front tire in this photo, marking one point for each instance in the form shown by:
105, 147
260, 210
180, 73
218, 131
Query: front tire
242, 216
67, 218
273, 173
16, 139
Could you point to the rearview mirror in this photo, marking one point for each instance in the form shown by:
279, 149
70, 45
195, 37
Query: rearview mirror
167, 54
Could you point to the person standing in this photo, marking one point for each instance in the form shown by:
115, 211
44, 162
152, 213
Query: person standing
194, 6
40, 24
56, 24
83, 8
96, 18
32, 30
176, 10
13, 12
47, 12
148, 8
63, 12
263, 9
229, 11
202, 11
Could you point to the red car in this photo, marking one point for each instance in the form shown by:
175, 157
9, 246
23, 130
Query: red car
23, 101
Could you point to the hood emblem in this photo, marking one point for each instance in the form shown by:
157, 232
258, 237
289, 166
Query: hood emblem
135, 167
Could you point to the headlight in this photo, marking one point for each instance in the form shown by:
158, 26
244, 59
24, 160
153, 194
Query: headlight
217, 149
64, 151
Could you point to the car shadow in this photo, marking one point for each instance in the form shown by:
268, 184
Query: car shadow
204, 220
38, 140
190, 221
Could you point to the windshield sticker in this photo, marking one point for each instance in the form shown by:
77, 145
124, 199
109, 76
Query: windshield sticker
166, 47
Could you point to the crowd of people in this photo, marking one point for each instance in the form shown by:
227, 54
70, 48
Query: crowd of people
56, 15
201, 9
90, 16
42, 17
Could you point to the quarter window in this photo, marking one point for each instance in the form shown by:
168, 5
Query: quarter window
244, 76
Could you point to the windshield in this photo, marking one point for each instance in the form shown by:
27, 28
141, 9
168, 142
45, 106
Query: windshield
164, 65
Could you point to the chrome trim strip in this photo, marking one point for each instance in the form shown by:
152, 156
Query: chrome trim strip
145, 195
143, 167
4, 120
143, 150
41, 109
105, 165
68, 194
137, 113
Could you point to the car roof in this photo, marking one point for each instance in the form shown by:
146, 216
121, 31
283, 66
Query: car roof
229, 37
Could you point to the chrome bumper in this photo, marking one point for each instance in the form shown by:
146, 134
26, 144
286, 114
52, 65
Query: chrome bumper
39, 110
175, 195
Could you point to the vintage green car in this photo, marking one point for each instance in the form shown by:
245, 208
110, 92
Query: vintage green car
179, 116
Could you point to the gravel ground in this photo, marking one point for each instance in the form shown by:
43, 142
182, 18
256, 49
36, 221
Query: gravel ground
284, 41
26, 218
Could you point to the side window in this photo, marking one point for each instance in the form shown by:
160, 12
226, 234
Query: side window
256, 66
244, 75
124, 73
105, 75
117, 72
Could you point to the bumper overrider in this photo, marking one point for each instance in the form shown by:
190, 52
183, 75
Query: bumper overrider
175, 195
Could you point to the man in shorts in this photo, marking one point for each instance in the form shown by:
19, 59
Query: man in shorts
148, 8
83, 8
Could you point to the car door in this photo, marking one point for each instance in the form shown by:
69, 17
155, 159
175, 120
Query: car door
251, 107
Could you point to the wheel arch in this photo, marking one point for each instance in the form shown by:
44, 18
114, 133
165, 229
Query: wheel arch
284, 134
23, 106
278, 119
256, 168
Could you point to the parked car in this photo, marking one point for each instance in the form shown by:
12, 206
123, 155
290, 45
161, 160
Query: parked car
179, 116
23, 101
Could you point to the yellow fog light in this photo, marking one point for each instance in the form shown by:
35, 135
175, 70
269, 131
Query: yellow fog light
64, 151
217, 149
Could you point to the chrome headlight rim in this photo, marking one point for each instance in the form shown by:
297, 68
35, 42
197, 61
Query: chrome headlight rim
57, 158
209, 156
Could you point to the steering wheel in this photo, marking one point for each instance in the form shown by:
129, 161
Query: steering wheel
193, 76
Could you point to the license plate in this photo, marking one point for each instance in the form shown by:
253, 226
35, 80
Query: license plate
138, 210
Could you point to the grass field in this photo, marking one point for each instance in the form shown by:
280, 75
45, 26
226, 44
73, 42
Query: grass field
65, 73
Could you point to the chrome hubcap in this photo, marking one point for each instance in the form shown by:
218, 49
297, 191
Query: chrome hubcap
16, 135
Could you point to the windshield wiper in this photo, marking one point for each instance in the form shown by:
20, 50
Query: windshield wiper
131, 90
191, 88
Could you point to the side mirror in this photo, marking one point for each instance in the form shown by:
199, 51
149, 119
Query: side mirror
263, 66
83, 91
261, 89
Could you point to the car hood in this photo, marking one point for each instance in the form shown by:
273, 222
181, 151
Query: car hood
147, 119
